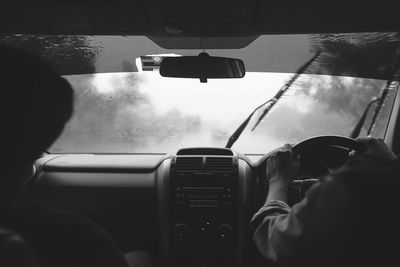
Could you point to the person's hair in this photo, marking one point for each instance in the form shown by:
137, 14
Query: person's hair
36, 102
14, 251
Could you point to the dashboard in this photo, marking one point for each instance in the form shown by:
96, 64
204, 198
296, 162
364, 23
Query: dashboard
191, 208
187, 208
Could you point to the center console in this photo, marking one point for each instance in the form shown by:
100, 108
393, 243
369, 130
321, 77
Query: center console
203, 209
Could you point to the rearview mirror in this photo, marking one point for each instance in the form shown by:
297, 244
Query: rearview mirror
202, 67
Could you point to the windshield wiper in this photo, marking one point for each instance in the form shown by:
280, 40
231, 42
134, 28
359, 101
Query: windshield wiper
357, 129
390, 85
235, 136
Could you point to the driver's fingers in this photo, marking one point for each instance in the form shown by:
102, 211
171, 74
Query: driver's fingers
286, 152
296, 160
370, 140
287, 148
366, 140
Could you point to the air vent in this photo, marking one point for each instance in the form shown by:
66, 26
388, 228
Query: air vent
189, 164
205, 151
219, 164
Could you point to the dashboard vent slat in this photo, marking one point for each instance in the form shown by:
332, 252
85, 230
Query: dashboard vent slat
205, 151
189, 164
214, 164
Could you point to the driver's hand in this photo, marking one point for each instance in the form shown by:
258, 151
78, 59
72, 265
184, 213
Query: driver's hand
377, 149
282, 166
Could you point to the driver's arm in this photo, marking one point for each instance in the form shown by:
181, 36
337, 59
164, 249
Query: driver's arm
276, 225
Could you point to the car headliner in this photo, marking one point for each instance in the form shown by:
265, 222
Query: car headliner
224, 24
182, 18
365, 55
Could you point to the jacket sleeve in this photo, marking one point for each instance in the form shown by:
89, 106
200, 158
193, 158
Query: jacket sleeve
278, 227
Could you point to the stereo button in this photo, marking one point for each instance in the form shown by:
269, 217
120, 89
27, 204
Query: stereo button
181, 230
224, 232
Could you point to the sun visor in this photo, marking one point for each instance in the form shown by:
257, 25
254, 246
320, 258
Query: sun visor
367, 55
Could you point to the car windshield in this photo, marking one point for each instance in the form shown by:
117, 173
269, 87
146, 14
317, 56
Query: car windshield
121, 107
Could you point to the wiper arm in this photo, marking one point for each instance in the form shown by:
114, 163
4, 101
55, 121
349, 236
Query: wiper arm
284, 88
235, 136
389, 86
357, 129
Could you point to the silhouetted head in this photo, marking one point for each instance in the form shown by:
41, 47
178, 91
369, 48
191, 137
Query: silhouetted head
14, 251
36, 102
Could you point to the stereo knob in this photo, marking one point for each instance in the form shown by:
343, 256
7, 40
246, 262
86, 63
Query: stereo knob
180, 230
206, 227
224, 231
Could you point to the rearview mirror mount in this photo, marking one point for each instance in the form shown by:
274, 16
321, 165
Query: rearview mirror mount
202, 67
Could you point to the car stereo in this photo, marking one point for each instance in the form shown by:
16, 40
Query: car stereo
204, 210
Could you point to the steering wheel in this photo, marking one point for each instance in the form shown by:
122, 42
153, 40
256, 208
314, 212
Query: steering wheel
343, 142
317, 156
